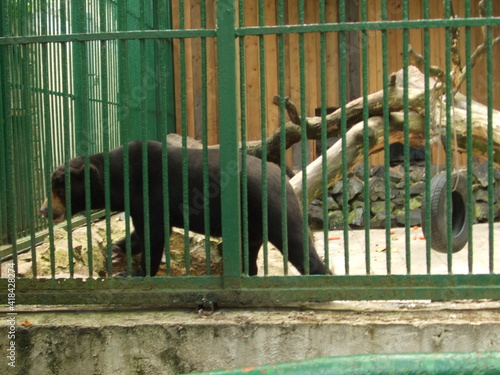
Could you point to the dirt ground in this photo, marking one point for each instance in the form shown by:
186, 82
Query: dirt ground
378, 254
356, 244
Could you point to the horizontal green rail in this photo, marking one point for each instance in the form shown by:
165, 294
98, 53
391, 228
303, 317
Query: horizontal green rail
184, 291
260, 30
115, 35
368, 26
374, 364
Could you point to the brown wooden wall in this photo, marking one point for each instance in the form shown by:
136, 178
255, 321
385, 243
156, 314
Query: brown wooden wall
192, 62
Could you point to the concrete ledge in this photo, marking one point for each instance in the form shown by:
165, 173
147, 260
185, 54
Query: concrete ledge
94, 340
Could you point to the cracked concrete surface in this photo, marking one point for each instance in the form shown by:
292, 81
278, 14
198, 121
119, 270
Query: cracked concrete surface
93, 339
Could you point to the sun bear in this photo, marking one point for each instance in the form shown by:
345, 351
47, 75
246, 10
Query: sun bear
175, 195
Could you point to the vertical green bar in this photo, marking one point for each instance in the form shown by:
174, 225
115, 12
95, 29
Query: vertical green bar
263, 130
6, 136
144, 135
491, 170
366, 135
428, 155
185, 168
82, 131
67, 136
470, 166
4, 109
4, 102
145, 173
124, 118
343, 131
29, 164
406, 142
387, 156
324, 136
204, 103
229, 152
244, 179
449, 151
304, 142
106, 137
48, 132
88, 139
165, 101
282, 117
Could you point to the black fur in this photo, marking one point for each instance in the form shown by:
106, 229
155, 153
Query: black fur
175, 191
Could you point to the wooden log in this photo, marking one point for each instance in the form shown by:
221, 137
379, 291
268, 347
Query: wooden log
479, 132
354, 149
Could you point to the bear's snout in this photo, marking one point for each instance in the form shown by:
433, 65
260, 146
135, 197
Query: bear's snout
58, 209
44, 209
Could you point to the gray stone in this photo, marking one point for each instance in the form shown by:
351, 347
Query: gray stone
378, 171
355, 187
481, 195
395, 193
359, 172
496, 174
481, 212
356, 217
358, 203
335, 220
332, 204
378, 221
379, 206
481, 173
315, 217
317, 202
397, 173
400, 185
399, 200
416, 202
417, 174
414, 217
337, 187
377, 188
417, 188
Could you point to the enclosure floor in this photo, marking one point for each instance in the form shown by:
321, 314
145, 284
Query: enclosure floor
355, 247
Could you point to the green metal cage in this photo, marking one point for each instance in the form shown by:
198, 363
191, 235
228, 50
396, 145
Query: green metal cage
78, 78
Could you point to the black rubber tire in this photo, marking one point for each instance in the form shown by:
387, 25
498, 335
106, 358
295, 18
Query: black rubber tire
438, 227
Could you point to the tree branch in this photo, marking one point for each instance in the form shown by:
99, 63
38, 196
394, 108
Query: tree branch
417, 60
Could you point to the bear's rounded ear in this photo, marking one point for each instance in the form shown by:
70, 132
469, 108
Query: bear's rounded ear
58, 177
77, 172
94, 171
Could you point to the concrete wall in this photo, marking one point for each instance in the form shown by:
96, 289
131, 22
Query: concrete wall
80, 340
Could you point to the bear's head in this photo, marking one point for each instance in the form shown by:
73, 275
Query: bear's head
77, 186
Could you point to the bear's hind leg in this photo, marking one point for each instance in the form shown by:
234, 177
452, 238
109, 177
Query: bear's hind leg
136, 244
156, 242
155, 251
253, 252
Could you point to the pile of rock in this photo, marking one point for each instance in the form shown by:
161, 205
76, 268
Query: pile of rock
377, 197
80, 250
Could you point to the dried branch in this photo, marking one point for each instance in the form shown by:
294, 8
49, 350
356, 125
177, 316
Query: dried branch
417, 60
482, 13
480, 50
290, 108
454, 35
